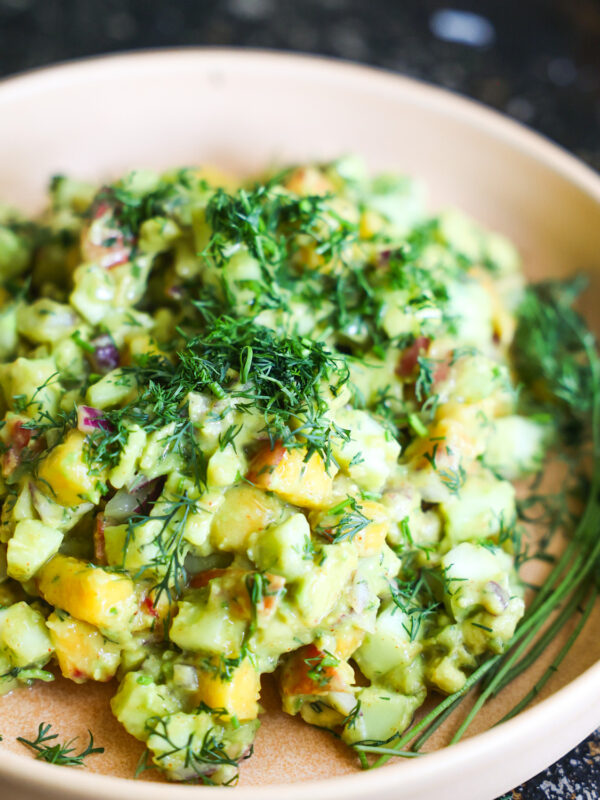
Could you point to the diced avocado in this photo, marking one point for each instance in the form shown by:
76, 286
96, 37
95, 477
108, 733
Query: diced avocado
30, 384
141, 549
32, 544
399, 199
94, 292
139, 699
225, 467
8, 682
475, 377
111, 390
245, 510
462, 233
483, 507
188, 745
471, 310
207, 627
123, 473
371, 454
46, 320
388, 645
280, 548
317, 592
15, 250
377, 571
516, 446
8, 331
24, 637
158, 234
476, 576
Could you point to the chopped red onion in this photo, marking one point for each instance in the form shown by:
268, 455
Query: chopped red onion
106, 355
127, 502
91, 419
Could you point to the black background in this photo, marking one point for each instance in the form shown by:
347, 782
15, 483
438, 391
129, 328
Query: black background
541, 65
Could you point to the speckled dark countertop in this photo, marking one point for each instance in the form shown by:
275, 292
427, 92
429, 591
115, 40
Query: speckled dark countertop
536, 60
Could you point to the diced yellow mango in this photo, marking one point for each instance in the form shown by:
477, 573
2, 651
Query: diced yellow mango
303, 483
370, 540
143, 344
218, 177
238, 694
91, 594
308, 181
65, 470
153, 608
347, 641
447, 442
83, 653
370, 224
245, 509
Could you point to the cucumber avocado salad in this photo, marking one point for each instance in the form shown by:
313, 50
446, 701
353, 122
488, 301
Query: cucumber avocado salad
259, 427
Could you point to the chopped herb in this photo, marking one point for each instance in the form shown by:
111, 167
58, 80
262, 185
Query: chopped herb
55, 753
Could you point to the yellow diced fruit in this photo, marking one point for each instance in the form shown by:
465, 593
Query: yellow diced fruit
308, 181
218, 178
238, 694
244, 511
153, 608
370, 224
143, 344
347, 641
303, 483
83, 653
370, 540
65, 470
447, 442
91, 594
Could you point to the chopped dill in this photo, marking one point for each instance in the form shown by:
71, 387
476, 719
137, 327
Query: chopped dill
64, 755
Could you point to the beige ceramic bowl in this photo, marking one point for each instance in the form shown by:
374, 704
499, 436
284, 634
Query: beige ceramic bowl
244, 110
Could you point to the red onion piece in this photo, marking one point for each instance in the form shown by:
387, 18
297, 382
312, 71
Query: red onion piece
106, 355
91, 419
126, 502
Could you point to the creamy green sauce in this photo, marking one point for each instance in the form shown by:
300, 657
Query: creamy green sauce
255, 428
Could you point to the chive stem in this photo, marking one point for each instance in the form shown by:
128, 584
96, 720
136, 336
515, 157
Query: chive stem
556, 663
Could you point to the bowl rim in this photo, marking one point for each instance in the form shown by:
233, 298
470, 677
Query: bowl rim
453, 760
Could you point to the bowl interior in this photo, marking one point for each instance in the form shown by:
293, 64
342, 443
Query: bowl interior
243, 112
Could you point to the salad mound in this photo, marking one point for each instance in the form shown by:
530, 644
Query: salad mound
258, 427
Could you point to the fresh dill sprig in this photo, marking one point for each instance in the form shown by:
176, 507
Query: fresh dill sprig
346, 525
413, 596
321, 666
168, 564
549, 357
283, 378
64, 755
267, 220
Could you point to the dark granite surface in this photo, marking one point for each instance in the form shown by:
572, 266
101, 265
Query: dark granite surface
536, 60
